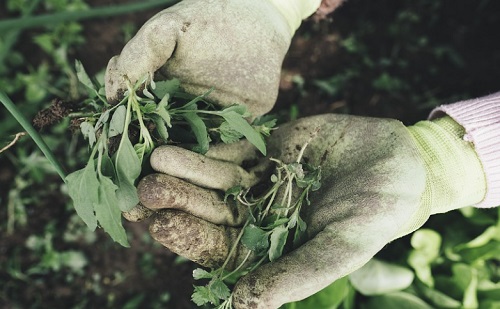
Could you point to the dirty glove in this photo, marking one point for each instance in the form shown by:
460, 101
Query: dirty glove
235, 46
381, 180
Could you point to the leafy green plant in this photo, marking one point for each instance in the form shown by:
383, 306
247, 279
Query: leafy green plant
274, 220
106, 185
52, 259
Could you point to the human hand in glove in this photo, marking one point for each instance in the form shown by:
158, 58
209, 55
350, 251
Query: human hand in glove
381, 180
235, 46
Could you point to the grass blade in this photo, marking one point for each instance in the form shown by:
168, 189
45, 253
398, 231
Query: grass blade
33, 133
47, 19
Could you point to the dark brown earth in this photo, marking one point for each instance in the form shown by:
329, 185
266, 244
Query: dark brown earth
451, 52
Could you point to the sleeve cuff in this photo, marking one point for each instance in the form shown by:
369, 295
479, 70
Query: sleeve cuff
481, 121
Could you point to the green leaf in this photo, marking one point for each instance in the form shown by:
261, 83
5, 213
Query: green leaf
193, 103
161, 128
239, 124
200, 131
272, 221
328, 298
165, 115
202, 295
491, 233
88, 132
219, 289
199, 273
227, 134
233, 191
107, 167
300, 235
83, 189
237, 108
166, 87
396, 300
83, 76
102, 120
128, 168
378, 277
107, 212
486, 252
140, 151
265, 124
278, 240
296, 168
437, 298
117, 122
466, 277
426, 244
148, 108
255, 239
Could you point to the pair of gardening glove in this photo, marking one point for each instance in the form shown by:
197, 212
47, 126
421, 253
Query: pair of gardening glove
381, 180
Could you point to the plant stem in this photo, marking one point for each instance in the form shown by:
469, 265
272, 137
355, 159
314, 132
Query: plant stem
235, 246
239, 266
57, 18
37, 138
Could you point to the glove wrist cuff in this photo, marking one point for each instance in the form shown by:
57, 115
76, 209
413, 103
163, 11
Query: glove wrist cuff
295, 11
481, 120
455, 176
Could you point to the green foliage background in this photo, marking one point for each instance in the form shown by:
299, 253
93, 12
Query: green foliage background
384, 58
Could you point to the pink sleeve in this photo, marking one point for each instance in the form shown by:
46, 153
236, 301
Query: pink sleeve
481, 120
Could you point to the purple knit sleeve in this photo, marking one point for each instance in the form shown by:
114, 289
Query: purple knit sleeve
481, 120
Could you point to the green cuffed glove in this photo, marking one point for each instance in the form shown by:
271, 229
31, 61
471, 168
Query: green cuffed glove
381, 180
235, 46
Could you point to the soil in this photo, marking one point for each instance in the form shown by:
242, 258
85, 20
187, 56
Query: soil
316, 53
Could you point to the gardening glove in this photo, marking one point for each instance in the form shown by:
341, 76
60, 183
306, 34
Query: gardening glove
235, 46
381, 180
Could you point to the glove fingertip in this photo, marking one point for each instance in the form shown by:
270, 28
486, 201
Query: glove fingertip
138, 213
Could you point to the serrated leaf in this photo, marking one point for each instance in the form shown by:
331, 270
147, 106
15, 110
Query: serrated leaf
278, 239
83, 76
199, 274
117, 122
148, 108
83, 188
202, 295
229, 135
239, 124
88, 132
296, 168
128, 168
219, 289
255, 239
265, 124
200, 131
107, 212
